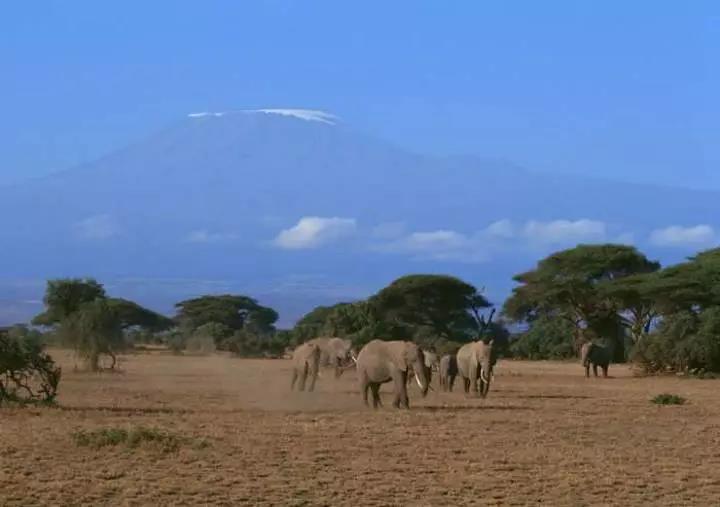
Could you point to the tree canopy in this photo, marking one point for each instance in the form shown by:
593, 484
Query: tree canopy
571, 285
235, 312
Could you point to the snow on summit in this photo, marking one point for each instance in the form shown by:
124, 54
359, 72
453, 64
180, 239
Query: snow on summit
303, 114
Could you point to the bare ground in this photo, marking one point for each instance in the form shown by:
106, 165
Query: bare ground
544, 436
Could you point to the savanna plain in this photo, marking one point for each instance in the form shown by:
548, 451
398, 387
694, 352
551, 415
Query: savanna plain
544, 435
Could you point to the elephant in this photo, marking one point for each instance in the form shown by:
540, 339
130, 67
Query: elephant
383, 361
595, 355
476, 359
306, 361
336, 352
432, 364
448, 371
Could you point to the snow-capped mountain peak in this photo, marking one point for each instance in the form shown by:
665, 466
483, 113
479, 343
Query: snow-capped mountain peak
303, 114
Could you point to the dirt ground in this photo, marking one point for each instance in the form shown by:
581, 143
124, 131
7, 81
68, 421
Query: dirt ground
544, 436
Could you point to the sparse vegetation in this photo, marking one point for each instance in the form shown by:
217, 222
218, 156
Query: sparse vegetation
28, 375
668, 399
134, 437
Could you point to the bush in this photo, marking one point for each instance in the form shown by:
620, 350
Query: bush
685, 342
200, 344
132, 438
27, 373
668, 399
546, 339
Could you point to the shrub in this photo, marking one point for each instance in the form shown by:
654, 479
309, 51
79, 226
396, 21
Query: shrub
668, 399
546, 339
685, 342
200, 344
27, 373
133, 438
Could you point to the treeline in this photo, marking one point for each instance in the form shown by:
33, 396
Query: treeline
662, 319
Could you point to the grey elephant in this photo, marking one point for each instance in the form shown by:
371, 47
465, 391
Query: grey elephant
448, 371
475, 361
432, 364
335, 352
595, 355
383, 361
306, 362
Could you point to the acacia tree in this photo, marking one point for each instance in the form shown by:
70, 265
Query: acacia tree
448, 306
90, 322
570, 285
243, 318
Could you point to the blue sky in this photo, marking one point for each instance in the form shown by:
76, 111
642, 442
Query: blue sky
620, 89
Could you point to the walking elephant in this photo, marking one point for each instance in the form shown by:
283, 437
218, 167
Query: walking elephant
475, 361
383, 361
595, 355
448, 371
432, 364
335, 352
306, 361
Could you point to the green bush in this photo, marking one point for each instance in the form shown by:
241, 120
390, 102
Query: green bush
27, 373
546, 339
685, 342
668, 399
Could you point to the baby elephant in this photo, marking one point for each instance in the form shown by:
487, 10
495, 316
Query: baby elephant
448, 371
595, 355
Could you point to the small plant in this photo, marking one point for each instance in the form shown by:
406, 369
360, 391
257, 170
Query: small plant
133, 438
668, 399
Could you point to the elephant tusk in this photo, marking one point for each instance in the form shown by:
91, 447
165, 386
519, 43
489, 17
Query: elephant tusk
353, 357
417, 379
483, 376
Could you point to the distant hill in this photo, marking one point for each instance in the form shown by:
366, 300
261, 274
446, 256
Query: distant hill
200, 206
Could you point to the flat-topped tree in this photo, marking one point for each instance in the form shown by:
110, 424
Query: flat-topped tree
236, 312
450, 307
570, 285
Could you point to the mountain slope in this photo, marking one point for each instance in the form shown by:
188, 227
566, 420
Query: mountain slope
204, 199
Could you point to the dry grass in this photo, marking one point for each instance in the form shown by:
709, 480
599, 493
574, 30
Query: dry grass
545, 435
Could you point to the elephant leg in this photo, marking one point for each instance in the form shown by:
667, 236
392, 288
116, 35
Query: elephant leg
313, 377
376, 395
474, 370
364, 387
303, 377
587, 370
595, 369
451, 382
294, 378
604, 370
403, 390
466, 385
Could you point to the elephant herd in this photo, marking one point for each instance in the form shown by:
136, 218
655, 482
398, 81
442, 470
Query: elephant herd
379, 362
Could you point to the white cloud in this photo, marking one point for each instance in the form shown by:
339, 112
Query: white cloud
204, 236
501, 229
312, 232
96, 227
441, 244
565, 231
676, 235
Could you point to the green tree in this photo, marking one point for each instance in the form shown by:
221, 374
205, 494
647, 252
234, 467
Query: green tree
92, 330
63, 297
27, 373
567, 285
448, 306
235, 312
132, 315
546, 338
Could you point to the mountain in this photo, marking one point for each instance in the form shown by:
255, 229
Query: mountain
202, 205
